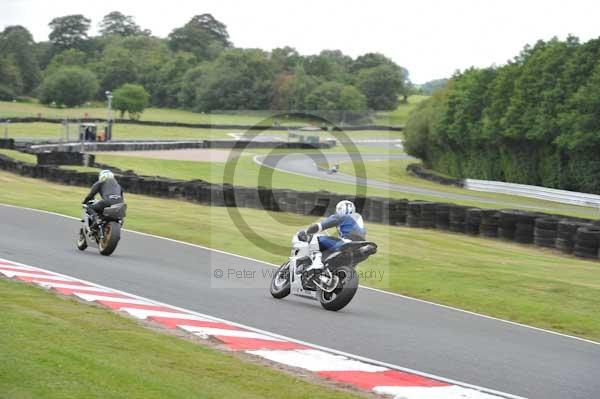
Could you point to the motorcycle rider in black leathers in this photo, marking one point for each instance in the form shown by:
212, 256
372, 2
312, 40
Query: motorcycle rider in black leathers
110, 191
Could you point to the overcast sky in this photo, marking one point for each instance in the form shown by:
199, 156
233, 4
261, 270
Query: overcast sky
431, 38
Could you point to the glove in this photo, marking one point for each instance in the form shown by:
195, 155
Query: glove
302, 236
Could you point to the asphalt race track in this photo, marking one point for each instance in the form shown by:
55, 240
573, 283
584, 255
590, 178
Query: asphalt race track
433, 339
302, 164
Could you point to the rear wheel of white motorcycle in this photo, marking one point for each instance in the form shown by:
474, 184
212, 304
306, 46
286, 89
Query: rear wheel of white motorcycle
81, 241
343, 293
280, 283
112, 235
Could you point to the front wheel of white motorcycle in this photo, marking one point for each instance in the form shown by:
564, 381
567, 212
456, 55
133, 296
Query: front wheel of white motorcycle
280, 283
344, 291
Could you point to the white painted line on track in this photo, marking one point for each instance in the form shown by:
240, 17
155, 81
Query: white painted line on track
11, 273
93, 298
73, 287
447, 392
316, 360
226, 333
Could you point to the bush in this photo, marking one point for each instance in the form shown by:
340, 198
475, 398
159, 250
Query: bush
132, 99
69, 86
533, 121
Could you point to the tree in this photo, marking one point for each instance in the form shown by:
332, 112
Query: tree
370, 60
69, 31
69, 86
116, 23
70, 57
133, 59
203, 36
329, 65
291, 90
237, 79
382, 85
166, 87
131, 98
10, 79
191, 81
18, 42
285, 59
337, 102
116, 68
430, 87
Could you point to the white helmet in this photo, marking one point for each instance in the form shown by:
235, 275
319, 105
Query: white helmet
104, 175
344, 207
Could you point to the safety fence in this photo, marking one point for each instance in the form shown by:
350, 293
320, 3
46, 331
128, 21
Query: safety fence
543, 193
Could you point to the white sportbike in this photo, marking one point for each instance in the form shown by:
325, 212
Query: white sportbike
334, 285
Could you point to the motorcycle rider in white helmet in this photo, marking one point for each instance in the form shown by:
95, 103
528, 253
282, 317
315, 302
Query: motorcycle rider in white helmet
350, 227
110, 191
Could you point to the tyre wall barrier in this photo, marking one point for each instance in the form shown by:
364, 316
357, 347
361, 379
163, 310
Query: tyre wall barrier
419, 171
7, 143
65, 158
170, 145
587, 242
578, 236
201, 125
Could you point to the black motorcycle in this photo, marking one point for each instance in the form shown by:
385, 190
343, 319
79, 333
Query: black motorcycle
103, 231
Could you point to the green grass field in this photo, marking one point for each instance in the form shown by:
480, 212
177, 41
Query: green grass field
54, 347
56, 132
400, 115
98, 110
516, 282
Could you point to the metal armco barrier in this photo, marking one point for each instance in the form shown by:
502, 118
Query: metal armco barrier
543, 193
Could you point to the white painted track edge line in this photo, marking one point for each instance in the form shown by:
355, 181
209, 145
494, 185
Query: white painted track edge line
448, 307
319, 347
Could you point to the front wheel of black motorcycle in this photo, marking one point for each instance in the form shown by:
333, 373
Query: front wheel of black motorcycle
343, 292
280, 283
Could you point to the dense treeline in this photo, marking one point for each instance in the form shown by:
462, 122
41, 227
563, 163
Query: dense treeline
195, 67
535, 120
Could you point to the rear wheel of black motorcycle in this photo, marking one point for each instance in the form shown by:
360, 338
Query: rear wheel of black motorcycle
280, 283
81, 241
343, 293
112, 235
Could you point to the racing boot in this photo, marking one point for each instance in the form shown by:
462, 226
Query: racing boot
317, 263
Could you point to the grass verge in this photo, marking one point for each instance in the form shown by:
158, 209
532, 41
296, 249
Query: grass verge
399, 116
54, 347
33, 109
55, 131
248, 174
516, 282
